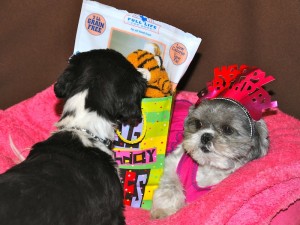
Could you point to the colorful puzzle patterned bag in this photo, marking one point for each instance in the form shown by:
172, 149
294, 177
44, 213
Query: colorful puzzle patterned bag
162, 53
140, 152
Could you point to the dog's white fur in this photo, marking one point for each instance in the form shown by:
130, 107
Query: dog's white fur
86, 119
16, 151
221, 156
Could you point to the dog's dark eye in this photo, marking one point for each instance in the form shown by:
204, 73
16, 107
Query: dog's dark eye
228, 130
198, 124
193, 124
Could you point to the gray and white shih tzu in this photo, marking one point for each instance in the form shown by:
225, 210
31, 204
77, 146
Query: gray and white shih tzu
219, 138
223, 131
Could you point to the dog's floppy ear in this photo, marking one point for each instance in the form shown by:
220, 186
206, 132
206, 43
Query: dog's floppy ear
63, 86
261, 138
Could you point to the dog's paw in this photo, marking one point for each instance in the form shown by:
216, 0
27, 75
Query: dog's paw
158, 213
166, 202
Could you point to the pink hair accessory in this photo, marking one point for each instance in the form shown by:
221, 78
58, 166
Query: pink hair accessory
243, 85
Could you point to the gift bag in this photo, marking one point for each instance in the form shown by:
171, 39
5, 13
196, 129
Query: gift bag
162, 53
140, 152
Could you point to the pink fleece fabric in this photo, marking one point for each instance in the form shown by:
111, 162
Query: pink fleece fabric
262, 192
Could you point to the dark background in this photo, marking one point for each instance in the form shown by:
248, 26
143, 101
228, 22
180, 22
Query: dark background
37, 37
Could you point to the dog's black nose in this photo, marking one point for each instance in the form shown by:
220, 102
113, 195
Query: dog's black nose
205, 138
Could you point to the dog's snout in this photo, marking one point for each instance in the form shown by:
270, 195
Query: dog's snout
206, 137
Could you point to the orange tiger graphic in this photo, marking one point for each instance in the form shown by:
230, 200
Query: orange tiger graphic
151, 66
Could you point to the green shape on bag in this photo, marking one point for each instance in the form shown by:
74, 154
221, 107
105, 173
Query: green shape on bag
146, 204
153, 117
160, 161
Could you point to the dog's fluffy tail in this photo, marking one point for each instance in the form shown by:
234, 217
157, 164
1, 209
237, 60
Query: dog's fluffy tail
16, 151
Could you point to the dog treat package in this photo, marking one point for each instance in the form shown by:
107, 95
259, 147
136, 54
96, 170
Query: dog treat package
162, 53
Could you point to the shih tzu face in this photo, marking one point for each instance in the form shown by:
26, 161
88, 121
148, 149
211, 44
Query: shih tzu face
219, 133
220, 136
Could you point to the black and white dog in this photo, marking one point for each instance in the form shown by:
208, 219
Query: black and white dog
71, 178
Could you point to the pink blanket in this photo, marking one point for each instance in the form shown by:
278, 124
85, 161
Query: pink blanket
263, 191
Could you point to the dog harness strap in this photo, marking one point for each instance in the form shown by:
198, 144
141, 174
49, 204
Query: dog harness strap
187, 172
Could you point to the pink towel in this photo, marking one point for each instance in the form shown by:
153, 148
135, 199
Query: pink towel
261, 192
27, 123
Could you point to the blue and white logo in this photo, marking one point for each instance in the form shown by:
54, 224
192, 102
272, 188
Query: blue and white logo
142, 22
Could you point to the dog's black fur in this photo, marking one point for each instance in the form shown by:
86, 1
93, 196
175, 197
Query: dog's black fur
64, 181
